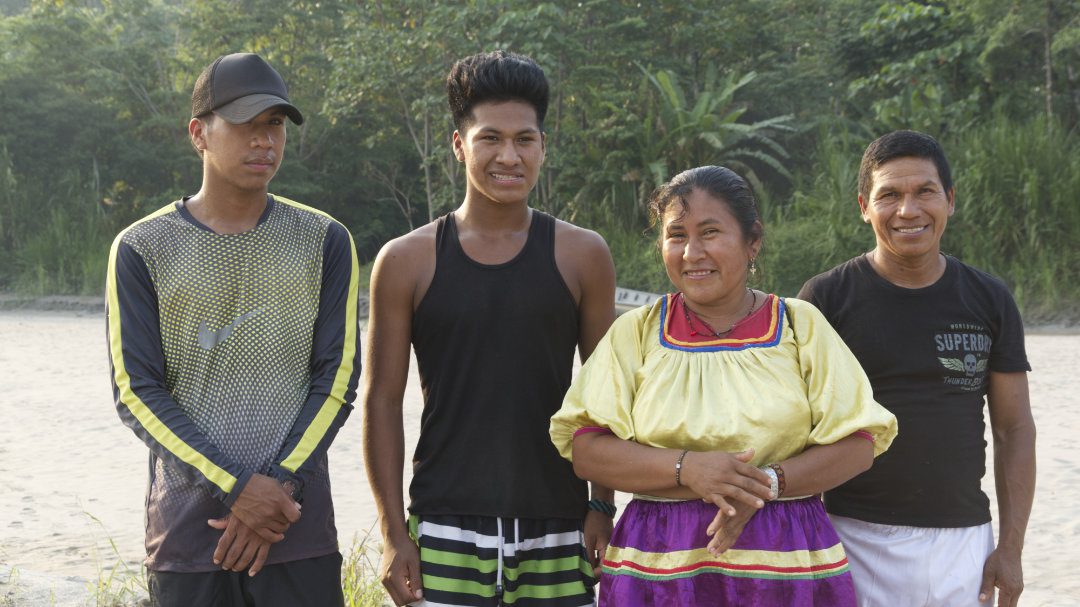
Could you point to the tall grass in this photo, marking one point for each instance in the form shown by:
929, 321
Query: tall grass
119, 584
359, 574
637, 259
1017, 217
55, 235
1018, 211
1017, 214
819, 227
67, 255
8, 598
123, 585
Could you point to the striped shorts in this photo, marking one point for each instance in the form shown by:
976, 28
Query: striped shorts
482, 561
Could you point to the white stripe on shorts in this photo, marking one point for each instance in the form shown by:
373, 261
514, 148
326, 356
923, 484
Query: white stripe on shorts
899, 566
490, 541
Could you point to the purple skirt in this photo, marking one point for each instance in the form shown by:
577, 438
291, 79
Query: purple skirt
788, 554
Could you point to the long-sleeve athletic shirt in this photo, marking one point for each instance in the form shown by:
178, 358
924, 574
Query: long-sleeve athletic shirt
231, 355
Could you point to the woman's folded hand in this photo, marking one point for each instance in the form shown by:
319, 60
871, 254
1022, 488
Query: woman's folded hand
722, 478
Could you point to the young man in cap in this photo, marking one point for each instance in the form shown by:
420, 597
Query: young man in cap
937, 339
494, 297
235, 355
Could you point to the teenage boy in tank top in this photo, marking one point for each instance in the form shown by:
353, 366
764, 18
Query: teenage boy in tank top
495, 297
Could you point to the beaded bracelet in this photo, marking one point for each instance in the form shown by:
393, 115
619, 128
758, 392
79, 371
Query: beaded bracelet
782, 485
774, 482
603, 507
678, 468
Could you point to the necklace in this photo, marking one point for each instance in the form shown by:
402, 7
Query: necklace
710, 330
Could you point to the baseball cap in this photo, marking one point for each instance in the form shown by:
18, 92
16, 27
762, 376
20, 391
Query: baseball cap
239, 87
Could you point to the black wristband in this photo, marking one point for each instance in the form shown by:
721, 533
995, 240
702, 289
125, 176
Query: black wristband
603, 507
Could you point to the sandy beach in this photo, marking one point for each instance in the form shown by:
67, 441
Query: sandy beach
73, 477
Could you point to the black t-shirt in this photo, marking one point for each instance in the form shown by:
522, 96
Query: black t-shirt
928, 353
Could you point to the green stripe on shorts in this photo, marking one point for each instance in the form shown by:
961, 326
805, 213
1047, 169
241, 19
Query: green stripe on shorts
459, 561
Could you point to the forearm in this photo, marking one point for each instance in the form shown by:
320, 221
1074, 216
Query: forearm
822, 467
335, 361
170, 434
310, 437
384, 461
597, 312
627, 466
1013, 428
599, 492
389, 335
1014, 477
142, 399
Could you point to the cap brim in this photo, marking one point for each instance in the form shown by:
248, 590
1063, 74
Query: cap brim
245, 109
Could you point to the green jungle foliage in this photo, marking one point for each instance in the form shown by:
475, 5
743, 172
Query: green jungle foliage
786, 92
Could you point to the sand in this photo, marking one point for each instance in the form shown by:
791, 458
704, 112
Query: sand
72, 477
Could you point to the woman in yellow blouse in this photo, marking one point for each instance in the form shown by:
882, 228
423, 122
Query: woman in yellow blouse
725, 411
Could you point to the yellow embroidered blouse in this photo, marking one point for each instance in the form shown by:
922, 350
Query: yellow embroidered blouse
795, 386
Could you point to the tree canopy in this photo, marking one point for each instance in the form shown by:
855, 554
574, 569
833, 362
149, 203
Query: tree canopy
786, 92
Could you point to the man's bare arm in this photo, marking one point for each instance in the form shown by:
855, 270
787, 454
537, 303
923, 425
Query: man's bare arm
388, 343
596, 304
1013, 428
585, 255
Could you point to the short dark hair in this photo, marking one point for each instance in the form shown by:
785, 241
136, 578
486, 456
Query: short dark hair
495, 77
719, 182
902, 144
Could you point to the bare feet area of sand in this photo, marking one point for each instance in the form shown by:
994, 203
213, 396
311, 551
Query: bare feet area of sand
73, 477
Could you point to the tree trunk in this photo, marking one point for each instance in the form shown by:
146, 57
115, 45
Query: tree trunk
451, 171
1071, 72
1048, 40
389, 179
427, 168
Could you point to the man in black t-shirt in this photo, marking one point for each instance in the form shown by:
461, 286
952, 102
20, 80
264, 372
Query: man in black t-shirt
936, 337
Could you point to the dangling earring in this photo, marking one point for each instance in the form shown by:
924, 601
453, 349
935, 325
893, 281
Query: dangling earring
753, 267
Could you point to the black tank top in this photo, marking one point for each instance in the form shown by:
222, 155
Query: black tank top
495, 347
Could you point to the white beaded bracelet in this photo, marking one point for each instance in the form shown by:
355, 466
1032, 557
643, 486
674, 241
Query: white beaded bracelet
774, 481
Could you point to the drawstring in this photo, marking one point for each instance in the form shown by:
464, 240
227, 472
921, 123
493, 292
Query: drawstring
499, 566
499, 562
516, 521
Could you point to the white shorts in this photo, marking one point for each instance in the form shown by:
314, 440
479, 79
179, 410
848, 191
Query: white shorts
898, 566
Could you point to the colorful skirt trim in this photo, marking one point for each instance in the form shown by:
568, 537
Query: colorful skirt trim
788, 554
481, 561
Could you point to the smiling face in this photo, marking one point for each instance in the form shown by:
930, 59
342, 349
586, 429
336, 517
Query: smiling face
244, 156
503, 149
908, 209
706, 252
